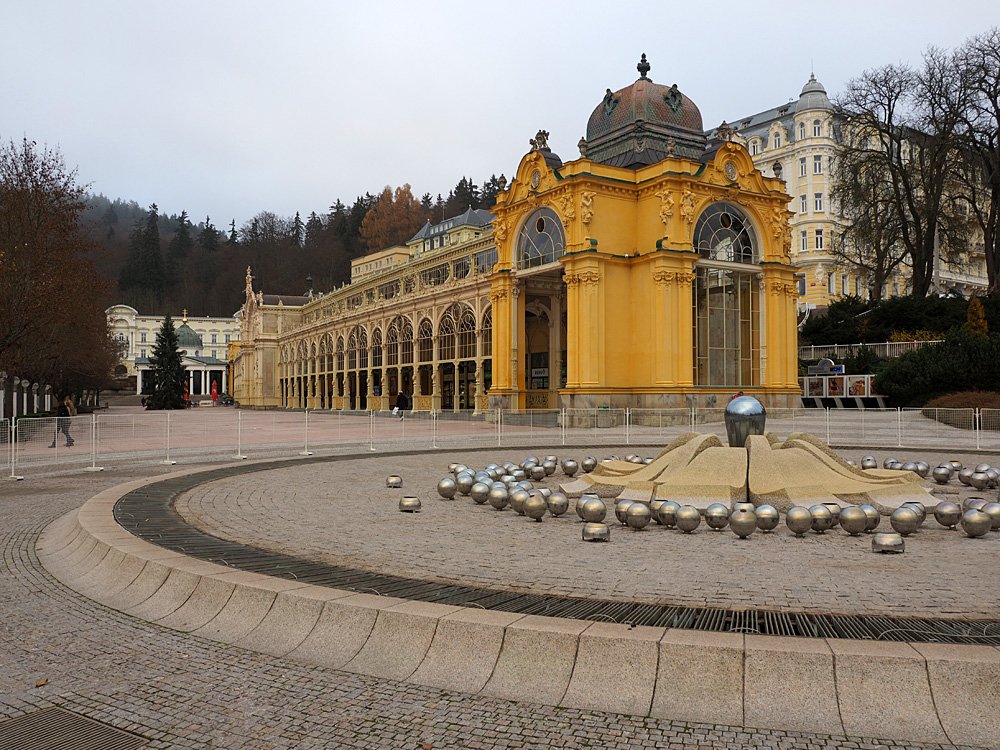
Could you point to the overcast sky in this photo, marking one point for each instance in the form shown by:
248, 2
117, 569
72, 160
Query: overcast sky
232, 107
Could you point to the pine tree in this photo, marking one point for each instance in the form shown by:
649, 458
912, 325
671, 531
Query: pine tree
209, 237
151, 271
298, 233
233, 237
314, 228
168, 371
975, 321
181, 244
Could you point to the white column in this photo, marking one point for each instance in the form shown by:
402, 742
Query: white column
138, 382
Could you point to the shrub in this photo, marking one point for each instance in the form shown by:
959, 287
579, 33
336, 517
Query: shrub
863, 361
966, 400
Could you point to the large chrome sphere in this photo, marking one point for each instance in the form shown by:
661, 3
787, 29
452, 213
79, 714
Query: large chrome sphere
483, 476
898, 466
853, 520
947, 514
519, 475
464, 483
834, 509
516, 499
942, 474
850, 462
979, 480
479, 492
631, 458
524, 485
822, 518
545, 492
538, 473
743, 522
394, 482
956, 465
637, 516
570, 467
717, 516
507, 479
621, 508
923, 468
888, 542
409, 504
596, 532
686, 518
654, 505
904, 521
666, 514
976, 523
549, 467
869, 462
888, 462
994, 475
965, 476
446, 488
594, 510
535, 506
974, 503
452, 467
874, 517
983, 468
498, 498
745, 416
743, 506
919, 507
459, 468
767, 517
550, 457
588, 464
799, 520
993, 511
910, 466
558, 503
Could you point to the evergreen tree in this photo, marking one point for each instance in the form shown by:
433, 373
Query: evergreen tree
427, 203
314, 228
488, 195
298, 233
234, 239
151, 269
975, 322
209, 237
167, 370
181, 243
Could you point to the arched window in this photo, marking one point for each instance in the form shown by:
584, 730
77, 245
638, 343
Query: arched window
777, 139
322, 355
486, 334
352, 349
817, 128
446, 335
425, 341
362, 348
406, 342
541, 239
312, 358
467, 335
754, 147
724, 233
802, 131
392, 343
340, 353
377, 348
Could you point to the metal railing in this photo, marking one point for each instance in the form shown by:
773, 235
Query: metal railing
886, 349
90, 442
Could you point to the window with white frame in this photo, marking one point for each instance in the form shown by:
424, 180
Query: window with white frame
817, 165
215, 338
805, 241
819, 239
818, 202
831, 283
803, 205
802, 131
802, 167
142, 338
777, 140
142, 353
754, 147
817, 128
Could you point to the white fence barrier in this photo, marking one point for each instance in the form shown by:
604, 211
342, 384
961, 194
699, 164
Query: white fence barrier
55, 444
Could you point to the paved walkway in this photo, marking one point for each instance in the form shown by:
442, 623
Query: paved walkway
177, 690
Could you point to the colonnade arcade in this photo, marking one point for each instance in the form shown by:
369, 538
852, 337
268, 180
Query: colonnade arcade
443, 361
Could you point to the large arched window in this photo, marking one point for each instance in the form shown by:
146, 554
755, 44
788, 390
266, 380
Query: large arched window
425, 341
724, 233
467, 334
541, 239
405, 341
486, 334
446, 335
377, 348
340, 353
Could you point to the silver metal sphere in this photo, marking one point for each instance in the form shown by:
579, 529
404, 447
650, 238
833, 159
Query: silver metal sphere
942, 474
631, 457
822, 518
570, 467
717, 516
853, 520
498, 497
745, 416
850, 462
464, 483
519, 475
898, 466
994, 475
550, 457
974, 503
446, 488
578, 506
409, 504
983, 468
452, 467
507, 479
594, 510
621, 508
524, 485
965, 476
743, 522
920, 508
888, 462
910, 466
516, 499
686, 518
538, 473
535, 506
767, 517
479, 492
869, 462
979, 480
947, 514
923, 468
798, 520
545, 492
588, 464
549, 467
834, 509
596, 532
654, 505
394, 482
888, 543
956, 465
904, 520
993, 511
874, 517
976, 523
647, 461
459, 468
666, 514
743, 506
558, 504
637, 516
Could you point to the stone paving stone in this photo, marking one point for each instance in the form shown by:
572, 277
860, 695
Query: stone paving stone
182, 691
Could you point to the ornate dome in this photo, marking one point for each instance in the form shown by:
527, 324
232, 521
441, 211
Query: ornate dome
644, 123
187, 339
813, 96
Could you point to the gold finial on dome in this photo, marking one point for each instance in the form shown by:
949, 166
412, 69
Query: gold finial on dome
184, 317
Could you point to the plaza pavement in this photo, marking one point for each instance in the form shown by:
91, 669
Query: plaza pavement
179, 690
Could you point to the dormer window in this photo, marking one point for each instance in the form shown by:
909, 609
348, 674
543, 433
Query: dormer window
777, 139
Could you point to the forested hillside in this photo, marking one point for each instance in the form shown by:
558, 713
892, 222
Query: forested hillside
161, 263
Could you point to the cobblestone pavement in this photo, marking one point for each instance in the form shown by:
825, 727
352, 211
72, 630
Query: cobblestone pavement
316, 512
180, 691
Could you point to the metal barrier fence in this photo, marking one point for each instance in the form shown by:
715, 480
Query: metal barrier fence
90, 442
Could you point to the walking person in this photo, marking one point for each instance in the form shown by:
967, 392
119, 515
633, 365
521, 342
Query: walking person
65, 410
401, 403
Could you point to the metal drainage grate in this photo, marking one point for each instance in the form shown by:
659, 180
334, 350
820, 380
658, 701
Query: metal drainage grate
58, 729
149, 514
